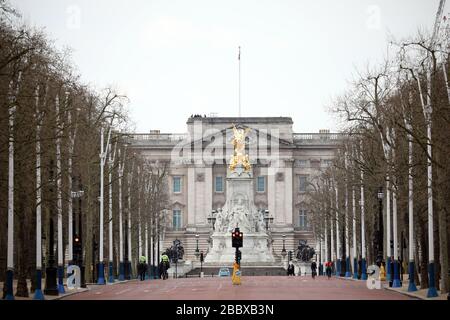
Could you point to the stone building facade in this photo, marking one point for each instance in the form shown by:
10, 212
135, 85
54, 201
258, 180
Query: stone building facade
282, 164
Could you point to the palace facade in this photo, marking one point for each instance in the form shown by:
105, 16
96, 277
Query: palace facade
282, 164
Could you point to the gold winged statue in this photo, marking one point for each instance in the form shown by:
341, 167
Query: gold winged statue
239, 156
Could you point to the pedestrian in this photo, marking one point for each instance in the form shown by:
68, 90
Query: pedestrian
313, 269
328, 269
359, 267
382, 271
142, 268
391, 263
164, 266
291, 269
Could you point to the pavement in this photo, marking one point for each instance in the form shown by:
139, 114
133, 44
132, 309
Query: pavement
419, 294
252, 288
68, 292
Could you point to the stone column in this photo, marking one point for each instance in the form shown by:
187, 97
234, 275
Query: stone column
271, 192
288, 192
190, 187
208, 194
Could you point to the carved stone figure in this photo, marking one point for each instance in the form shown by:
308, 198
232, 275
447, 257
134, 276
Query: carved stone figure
239, 157
261, 225
240, 215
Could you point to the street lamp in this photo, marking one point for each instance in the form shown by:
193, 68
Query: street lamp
379, 254
177, 244
77, 246
50, 270
283, 251
197, 252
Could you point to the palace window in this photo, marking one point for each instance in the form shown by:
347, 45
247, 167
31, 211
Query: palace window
302, 163
261, 184
302, 183
176, 219
302, 219
176, 184
219, 184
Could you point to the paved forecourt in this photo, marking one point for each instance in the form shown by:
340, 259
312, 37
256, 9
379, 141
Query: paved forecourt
252, 288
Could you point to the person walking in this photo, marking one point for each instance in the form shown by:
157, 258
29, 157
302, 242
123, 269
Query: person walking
291, 269
164, 266
313, 269
328, 269
142, 268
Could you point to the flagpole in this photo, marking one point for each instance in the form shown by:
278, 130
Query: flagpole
239, 58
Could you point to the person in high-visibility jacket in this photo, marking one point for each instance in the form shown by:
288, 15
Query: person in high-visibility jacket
382, 273
163, 266
142, 267
236, 277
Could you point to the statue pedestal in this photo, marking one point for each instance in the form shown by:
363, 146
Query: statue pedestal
240, 211
256, 249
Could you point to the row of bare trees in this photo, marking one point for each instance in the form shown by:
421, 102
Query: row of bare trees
396, 119
50, 129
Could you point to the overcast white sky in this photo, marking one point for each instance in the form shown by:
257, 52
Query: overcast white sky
175, 58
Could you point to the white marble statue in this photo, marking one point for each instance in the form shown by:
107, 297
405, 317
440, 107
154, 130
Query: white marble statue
261, 225
220, 221
240, 215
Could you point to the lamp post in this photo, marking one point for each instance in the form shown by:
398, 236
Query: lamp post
111, 160
80, 231
77, 246
283, 251
50, 270
177, 244
59, 209
379, 253
197, 252
10, 235
38, 295
121, 262
363, 230
411, 286
355, 251
101, 270
338, 239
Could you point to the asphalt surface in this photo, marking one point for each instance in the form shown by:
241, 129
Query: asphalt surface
252, 288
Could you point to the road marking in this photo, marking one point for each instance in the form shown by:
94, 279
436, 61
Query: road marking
172, 288
122, 291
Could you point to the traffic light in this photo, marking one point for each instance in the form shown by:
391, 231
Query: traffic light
77, 248
290, 255
237, 238
201, 256
238, 256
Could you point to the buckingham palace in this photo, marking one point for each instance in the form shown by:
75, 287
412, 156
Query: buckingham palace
280, 165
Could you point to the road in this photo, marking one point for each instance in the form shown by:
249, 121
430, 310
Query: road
252, 288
